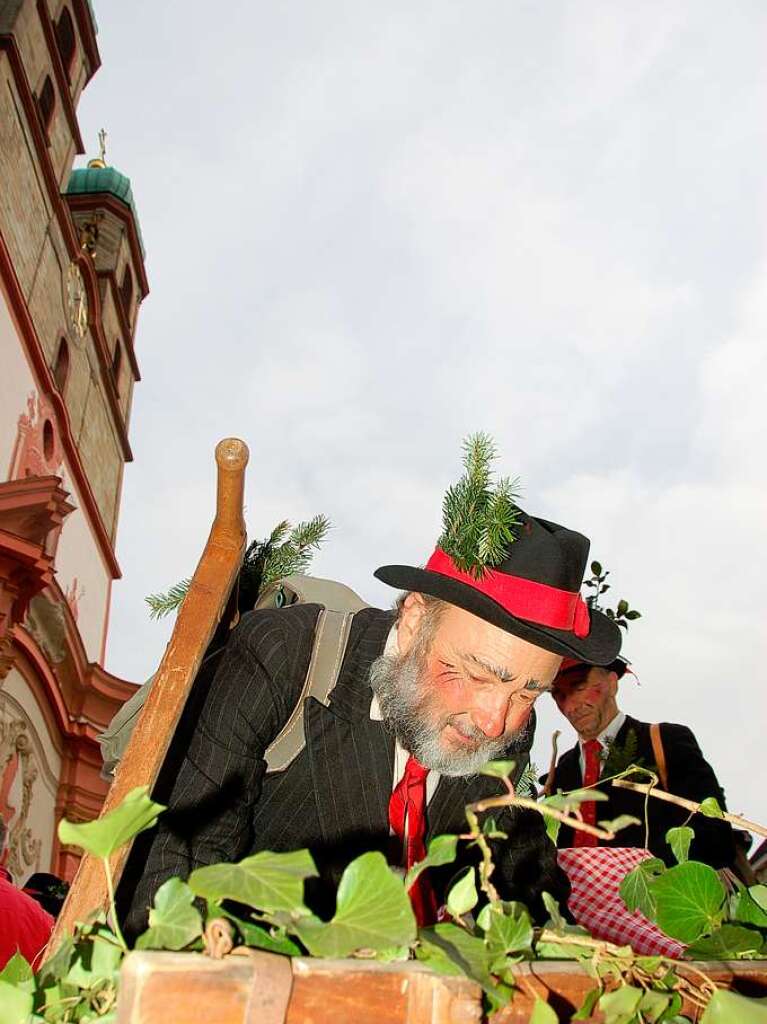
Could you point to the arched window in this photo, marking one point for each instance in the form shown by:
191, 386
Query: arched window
65, 39
117, 358
61, 367
46, 101
126, 291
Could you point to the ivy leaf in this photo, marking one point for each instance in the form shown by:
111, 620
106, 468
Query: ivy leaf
745, 908
556, 920
441, 850
759, 894
372, 912
596, 568
463, 895
576, 796
679, 840
507, 927
726, 1007
104, 835
586, 1009
105, 955
710, 807
653, 1005
265, 881
636, 893
553, 825
622, 821
174, 921
730, 942
15, 1003
543, 1013
18, 972
690, 900
256, 935
452, 950
498, 769
620, 1006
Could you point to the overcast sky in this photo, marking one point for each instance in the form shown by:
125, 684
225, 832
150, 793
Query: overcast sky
374, 228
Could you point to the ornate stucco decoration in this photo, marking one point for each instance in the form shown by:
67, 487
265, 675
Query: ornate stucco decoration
17, 759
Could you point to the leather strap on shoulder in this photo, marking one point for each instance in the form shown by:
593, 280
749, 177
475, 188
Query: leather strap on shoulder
331, 636
660, 754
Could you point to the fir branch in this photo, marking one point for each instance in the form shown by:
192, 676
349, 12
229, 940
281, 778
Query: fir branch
287, 550
161, 605
478, 519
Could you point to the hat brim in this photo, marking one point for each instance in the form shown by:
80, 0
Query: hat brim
600, 647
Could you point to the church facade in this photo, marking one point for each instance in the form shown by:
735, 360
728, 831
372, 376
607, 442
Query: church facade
72, 279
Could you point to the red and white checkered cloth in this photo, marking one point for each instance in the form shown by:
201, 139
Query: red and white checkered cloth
595, 874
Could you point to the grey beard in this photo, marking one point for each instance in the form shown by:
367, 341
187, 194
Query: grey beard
406, 709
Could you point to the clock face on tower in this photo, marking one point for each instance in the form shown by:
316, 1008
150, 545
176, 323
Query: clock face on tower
77, 302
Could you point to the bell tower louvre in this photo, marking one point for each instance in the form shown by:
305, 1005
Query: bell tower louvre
72, 280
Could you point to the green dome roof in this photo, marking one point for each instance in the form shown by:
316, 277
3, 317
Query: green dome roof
90, 180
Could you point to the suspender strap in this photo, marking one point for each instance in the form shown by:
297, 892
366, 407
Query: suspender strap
331, 636
659, 754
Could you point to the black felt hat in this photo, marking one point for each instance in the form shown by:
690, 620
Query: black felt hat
533, 592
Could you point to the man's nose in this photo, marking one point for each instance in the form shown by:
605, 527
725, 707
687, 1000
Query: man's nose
490, 715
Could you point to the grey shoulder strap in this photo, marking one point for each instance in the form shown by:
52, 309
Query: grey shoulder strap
331, 636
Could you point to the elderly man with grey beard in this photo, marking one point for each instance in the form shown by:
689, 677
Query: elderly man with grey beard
425, 696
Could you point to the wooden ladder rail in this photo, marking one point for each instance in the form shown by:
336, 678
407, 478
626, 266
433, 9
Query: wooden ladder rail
196, 623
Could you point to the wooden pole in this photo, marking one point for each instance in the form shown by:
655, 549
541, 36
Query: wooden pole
196, 623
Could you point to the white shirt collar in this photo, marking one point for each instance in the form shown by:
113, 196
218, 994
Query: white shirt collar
606, 737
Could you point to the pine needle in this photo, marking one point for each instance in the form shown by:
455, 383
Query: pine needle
479, 520
286, 551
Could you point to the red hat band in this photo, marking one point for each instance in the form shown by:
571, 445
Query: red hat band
525, 599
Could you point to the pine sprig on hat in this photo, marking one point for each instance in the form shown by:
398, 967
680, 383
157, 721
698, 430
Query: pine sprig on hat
479, 519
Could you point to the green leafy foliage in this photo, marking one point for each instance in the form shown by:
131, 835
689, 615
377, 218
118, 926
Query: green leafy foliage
15, 1003
746, 907
373, 912
728, 942
173, 921
507, 927
732, 1008
498, 769
679, 839
690, 901
267, 881
441, 850
18, 972
463, 895
636, 888
106, 834
479, 520
710, 807
543, 1013
621, 1005
286, 551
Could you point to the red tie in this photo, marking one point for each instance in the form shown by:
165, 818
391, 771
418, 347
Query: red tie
591, 750
408, 805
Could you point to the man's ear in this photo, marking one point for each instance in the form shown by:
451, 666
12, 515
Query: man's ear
409, 621
613, 683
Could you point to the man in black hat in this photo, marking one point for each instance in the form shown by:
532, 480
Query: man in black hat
609, 741
426, 695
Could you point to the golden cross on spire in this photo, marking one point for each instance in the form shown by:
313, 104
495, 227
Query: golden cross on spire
101, 159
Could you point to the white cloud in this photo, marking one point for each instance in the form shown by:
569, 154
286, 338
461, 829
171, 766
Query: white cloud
371, 231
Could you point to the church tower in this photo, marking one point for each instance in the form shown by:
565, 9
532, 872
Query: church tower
72, 280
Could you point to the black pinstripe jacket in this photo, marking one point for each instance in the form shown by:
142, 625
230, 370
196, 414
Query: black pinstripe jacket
332, 799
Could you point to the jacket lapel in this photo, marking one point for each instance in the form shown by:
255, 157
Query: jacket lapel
352, 757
